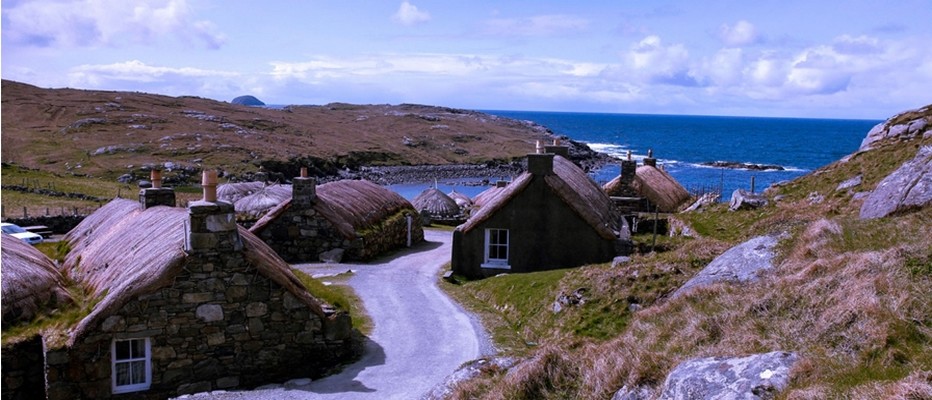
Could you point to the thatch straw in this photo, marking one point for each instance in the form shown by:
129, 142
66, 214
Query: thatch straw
263, 200
31, 283
437, 204
486, 195
231, 192
350, 205
571, 184
461, 200
654, 184
139, 252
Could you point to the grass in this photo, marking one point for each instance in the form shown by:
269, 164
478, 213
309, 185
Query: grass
53, 324
340, 296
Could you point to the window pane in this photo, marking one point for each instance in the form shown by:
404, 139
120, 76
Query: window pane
122, 350
138, 369
138, 348
122, 374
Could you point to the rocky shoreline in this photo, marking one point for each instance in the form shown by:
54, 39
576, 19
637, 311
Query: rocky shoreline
741, 165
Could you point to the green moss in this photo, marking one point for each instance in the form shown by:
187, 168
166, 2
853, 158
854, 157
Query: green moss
339, 296
53, 324
55, 250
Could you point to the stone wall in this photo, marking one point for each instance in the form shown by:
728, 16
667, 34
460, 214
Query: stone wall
23, 375
57, 224
391, 234
219, 325
301, 235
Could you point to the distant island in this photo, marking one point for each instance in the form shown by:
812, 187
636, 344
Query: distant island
247, 101
741, 165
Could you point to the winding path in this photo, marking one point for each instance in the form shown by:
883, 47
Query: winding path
420, 335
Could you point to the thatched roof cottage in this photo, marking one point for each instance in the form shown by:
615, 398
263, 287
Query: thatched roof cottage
482, 198
552, 216
646, 187
185, 301
438, 207
358, 217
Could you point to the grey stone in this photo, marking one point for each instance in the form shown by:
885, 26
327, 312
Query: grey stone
210, 312
904, 131
741, 263
620, 260
850, 183
815, 198
195, 387
743, 200
298, 382
469, 370
633, 393
113, 323
702, 201
332, 256
909, 187
256, 309
759, 376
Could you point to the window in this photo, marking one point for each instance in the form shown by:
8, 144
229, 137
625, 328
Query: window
496, 249
132, 369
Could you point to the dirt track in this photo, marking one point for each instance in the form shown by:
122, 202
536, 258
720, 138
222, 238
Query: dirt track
420, 336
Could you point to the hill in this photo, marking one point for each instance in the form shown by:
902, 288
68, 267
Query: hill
844, 300
105, 134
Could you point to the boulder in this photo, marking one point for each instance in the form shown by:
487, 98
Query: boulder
848, 184
332, 256
247, 101
702, 201
467, 371
759, 376
633, 393
909, 187
900, 127
744, 200
742, 263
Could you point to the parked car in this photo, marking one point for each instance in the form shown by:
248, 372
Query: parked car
20, 233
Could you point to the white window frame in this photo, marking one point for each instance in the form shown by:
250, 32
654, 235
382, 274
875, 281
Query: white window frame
134, 387
496, 263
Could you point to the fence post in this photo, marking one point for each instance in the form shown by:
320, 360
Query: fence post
752, 184
25, 214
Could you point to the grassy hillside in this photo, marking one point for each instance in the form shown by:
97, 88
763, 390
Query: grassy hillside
851, 296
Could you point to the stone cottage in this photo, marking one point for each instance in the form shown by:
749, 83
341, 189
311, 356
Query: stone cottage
185, 301
357, 217
645, 188
552, 216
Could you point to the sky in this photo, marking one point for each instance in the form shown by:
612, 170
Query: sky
863, 59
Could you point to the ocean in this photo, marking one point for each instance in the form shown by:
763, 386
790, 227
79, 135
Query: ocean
682, 143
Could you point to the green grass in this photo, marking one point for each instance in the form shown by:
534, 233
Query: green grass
340, 296
56, 251
53, 324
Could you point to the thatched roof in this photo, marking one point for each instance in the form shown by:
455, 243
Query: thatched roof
262, 200
462, 200
121, 252
571, 184
350, 205
231, 192
436, 204
656, 185
30, 281
486, 195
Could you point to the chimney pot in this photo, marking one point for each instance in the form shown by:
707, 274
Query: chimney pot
209, 182
304, 172
540, 147
156, 177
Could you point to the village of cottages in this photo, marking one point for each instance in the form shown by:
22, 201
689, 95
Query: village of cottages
219, 273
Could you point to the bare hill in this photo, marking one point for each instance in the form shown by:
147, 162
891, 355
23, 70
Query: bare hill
107, 134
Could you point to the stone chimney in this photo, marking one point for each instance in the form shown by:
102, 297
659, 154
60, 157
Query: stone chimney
629, 169
212, 223
303, 191
650, 160
558, 149
156, 195
540, 164
501, 183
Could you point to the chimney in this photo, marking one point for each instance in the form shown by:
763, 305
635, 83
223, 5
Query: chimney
650, 160
212, 223
558, 149
629, 169
540, 164
156, 195
501, 183
303, 191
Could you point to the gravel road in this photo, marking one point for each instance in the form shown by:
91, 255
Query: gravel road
420, 335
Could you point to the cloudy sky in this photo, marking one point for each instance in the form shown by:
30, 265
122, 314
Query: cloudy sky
790, 58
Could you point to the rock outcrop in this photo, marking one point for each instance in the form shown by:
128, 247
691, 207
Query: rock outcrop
742, 263
467, 371
759, 376
909, 187
744, 200
904, 126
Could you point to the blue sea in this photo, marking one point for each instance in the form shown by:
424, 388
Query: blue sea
681, 143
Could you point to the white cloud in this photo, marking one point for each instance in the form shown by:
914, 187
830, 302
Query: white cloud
743, 33
408, 14
538, 25
656, 62
113, 23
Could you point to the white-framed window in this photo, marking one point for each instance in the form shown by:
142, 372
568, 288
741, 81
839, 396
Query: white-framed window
131, 365
496, 248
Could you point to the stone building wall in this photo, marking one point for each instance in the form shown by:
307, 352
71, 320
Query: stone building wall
219, 325
391, 234
301, 235
23, 375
